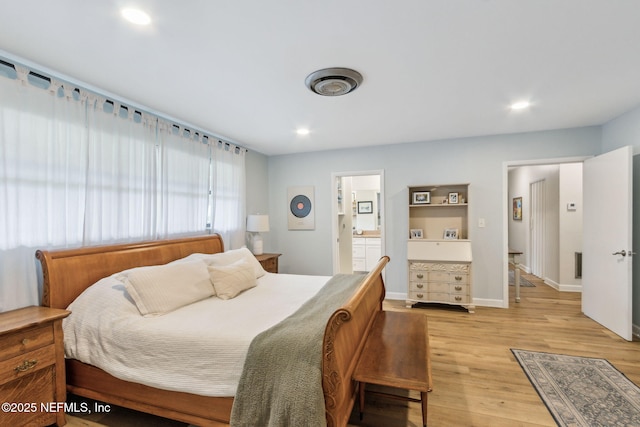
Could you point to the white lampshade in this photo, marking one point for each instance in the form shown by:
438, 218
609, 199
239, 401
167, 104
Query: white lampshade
258, 223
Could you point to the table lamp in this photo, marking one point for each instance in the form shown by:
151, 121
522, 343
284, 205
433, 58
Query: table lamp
257, 224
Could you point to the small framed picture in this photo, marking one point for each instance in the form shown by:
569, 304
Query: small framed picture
365, 207
517, 208
453, 198
421, 198
450, 233
416, 233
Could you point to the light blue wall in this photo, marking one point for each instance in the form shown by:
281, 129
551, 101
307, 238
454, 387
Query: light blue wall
256, 165
622, 131
478, 161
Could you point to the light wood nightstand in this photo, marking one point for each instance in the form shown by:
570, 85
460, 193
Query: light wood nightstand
269, 262
32, 376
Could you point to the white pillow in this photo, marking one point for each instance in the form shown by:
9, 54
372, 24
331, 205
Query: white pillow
230, 280
160, 289
235, 255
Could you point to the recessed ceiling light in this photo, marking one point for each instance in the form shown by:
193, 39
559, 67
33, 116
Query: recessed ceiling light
521, 105
302, 131
136, 16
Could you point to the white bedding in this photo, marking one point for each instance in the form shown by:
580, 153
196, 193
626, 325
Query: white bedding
199, 348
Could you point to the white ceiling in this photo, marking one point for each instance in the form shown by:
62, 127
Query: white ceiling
432, 69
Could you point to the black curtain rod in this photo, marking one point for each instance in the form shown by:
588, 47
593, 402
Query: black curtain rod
126, 107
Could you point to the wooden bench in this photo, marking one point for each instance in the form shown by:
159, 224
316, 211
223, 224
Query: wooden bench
396, 354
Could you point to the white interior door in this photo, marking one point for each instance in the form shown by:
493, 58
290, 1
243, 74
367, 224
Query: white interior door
607, 227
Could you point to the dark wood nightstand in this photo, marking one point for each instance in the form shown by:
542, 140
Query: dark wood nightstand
269, 262
32, 376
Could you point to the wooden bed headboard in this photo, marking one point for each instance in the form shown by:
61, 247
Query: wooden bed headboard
67, 273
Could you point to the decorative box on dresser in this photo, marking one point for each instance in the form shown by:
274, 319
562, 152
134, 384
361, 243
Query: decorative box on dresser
438, 249
32, 376
269, 262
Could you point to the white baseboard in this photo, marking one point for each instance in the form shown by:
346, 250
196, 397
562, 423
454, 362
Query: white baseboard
570, 288
551, 283
396, 296
483, 302
562, 288
525, 268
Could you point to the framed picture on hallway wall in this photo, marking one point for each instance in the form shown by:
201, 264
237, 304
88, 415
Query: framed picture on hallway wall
517, 208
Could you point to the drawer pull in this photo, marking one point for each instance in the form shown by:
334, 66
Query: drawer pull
26, 365
458, 278
420, 276
458, 298
25, 341
420, 296
458, 288
420, 286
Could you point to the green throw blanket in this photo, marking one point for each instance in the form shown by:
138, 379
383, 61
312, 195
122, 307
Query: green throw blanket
281, 384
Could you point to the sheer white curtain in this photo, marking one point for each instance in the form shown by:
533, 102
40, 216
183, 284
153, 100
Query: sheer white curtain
185, 163
77, 169
228, 194
41, 181
122, 174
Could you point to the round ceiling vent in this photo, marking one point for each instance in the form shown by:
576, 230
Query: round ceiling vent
333, 81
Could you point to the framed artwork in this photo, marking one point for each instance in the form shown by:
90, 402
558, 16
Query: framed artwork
517, 208
453, 198
421, 198
416, 233
365, 207
300, 209
450, 233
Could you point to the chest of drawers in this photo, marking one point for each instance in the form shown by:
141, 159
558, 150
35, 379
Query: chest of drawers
32, 366
439, 282
440, 272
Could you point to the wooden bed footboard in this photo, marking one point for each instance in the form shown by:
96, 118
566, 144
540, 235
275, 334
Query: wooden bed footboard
344, 340
67, 273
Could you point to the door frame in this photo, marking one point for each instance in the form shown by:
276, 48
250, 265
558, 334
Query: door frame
334, 212
507, 209
537, 227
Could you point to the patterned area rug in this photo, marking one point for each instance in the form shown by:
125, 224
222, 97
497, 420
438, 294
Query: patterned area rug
582, 391
523, 282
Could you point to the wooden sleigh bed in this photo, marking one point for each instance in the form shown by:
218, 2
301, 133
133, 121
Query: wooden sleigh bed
67, 273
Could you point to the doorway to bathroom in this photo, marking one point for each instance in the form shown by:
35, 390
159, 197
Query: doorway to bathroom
358, 220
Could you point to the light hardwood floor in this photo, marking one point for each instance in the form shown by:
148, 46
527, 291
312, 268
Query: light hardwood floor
476, 380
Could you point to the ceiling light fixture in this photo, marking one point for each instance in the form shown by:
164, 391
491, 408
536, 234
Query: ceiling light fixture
136, 16
333, 81
302, 131
520, 105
